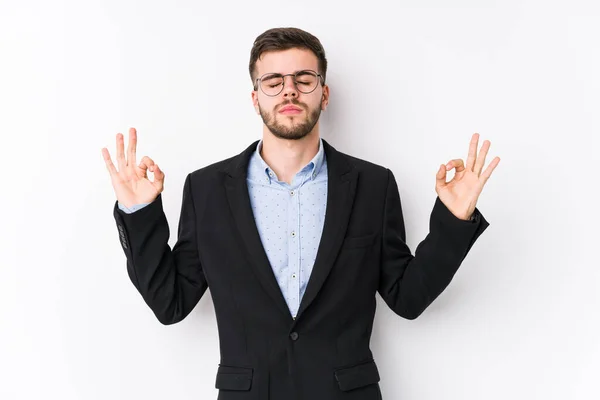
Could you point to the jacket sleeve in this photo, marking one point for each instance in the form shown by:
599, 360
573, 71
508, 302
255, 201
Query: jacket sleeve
132, 209
409, 284
171, 282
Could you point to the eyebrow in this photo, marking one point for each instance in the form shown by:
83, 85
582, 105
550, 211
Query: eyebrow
295, 72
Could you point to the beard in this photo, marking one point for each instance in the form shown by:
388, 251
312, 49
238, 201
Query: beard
297, 128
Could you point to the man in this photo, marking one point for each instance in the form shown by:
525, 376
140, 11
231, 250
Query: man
293, 238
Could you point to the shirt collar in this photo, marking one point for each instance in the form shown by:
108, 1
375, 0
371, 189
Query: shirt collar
313, 167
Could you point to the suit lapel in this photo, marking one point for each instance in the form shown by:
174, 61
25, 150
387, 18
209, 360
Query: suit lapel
341, 188
241, 209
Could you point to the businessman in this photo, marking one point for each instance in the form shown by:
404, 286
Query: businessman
293, 238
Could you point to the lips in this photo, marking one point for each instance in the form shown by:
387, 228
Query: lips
290, 109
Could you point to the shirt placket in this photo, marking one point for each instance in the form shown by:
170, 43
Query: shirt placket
294, 249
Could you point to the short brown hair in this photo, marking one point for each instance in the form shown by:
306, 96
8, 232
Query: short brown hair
284, 39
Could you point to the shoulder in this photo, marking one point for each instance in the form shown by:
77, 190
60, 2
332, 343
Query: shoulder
366, 169
234, 165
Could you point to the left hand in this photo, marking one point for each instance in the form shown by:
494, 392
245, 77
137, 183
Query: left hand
461, 193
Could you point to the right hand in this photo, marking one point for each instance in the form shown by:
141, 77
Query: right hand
130, 182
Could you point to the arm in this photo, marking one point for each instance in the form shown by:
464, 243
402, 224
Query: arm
409, 284
171, 282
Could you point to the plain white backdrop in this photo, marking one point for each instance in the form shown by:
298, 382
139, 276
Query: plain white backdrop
410, 82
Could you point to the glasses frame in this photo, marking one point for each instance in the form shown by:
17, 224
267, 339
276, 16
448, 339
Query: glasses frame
258, 80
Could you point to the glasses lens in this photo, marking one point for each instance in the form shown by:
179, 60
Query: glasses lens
271, 84
306, 81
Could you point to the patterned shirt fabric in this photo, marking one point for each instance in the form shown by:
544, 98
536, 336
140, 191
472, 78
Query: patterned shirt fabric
289, 218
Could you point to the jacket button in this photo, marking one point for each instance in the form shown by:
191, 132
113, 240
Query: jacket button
294, 335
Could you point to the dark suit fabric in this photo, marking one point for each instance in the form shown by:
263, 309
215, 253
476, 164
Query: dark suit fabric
265, 354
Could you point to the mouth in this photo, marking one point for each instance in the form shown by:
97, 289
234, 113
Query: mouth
290, 110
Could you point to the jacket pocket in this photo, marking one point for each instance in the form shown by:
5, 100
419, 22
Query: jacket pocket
233, 378
357, 376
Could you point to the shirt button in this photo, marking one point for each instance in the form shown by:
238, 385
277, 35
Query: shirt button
294, 336
314, 175
293, 234
294, 276
292, 193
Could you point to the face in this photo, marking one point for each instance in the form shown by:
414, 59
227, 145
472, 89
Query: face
291, 125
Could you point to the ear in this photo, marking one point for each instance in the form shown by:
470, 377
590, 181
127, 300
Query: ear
255, 102
325, 98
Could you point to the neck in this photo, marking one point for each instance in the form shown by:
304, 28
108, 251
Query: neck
286, 157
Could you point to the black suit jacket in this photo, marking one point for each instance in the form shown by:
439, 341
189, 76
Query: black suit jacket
265, 354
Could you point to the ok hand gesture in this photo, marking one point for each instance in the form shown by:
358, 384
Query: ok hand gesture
461, 193
130, 182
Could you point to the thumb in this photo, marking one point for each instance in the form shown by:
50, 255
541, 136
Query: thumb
159, 177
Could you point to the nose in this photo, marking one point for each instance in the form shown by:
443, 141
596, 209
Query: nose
290, 89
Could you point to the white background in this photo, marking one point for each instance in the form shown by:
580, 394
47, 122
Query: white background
410, 82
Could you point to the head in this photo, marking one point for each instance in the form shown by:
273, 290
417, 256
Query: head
284, 51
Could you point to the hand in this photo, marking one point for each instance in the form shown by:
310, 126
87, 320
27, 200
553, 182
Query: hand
461, 193
130, 182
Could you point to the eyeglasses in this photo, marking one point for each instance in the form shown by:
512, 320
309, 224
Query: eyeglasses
306, 82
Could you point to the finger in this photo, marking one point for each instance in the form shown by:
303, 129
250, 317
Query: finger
147, 161
145, 164
142, 170
120, 153
440, 177
472, 157
159, 177
109, 164
488, 171
456, 163
481, 158
131, 147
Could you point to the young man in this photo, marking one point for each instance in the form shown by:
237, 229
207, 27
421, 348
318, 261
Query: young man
294, 239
